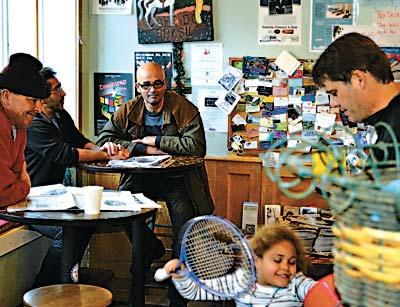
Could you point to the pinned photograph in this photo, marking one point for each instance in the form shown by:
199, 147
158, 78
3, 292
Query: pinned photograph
253, 67
339, 10
337, 31
280, 7
230, 78
227, 101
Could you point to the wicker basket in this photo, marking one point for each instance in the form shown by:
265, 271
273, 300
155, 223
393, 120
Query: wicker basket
367, 230
367, 266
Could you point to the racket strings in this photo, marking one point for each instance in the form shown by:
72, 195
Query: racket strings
217, 254
204, 253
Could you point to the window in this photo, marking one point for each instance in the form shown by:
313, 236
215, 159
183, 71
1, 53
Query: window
48, 30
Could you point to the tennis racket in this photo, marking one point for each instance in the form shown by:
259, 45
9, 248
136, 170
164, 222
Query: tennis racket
216, 256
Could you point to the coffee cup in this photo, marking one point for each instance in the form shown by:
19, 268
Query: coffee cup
92, 199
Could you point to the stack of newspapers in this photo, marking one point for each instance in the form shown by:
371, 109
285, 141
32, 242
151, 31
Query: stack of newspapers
58, 197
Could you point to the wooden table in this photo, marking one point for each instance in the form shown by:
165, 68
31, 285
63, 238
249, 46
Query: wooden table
178, 164
73, 222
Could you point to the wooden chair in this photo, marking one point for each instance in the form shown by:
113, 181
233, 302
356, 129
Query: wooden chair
68, 295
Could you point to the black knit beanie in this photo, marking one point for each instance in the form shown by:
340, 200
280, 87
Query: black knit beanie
21, 76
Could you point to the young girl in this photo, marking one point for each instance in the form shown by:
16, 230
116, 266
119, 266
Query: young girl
279, 259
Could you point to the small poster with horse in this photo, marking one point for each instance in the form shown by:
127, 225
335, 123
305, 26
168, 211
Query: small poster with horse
166, 21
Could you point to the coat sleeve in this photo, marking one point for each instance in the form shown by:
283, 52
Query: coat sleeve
44, 140
117, 130
12, 189
190, 140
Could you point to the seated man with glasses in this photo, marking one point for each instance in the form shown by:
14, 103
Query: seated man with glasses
54, 143
158, 122
21, 91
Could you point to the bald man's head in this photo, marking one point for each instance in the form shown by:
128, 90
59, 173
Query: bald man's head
151, 85
150, 68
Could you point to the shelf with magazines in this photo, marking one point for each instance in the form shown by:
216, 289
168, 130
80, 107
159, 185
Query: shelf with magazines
234, 180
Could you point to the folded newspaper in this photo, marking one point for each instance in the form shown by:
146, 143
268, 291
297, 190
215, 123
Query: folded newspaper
57, 197
143, 162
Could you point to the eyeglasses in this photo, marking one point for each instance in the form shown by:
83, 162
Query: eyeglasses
57, 90
156, 84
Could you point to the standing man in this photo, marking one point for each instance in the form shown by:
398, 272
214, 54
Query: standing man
21, 89
53, 144
356, 73
158, 122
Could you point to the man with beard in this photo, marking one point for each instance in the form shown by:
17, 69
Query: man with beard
53, 144
21, 89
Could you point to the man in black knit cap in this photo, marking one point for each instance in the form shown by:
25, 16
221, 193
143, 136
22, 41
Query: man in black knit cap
21, 89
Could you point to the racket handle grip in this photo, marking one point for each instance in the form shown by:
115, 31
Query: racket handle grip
161, 275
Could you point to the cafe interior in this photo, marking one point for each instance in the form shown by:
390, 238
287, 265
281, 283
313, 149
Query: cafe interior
222, 57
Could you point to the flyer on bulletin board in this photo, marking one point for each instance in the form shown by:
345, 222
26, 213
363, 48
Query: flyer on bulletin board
111, 90
324, 15
279, 22
161, 57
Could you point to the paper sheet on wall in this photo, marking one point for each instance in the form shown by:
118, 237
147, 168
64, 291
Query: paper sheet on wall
388, 23
324, 15
279, 22
227, 101
287, 62
206, 63
214, 119
112, 7
372, 31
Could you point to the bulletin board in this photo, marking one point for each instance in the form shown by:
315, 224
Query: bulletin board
269, 111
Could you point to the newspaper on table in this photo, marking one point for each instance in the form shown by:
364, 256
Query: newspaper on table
157, 161
59, 198
116, 200
45, 198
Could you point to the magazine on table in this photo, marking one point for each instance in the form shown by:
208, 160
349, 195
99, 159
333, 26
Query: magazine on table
59, 198
46, 198
157, 161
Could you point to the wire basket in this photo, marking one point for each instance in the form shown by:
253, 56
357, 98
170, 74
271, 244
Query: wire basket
371, 199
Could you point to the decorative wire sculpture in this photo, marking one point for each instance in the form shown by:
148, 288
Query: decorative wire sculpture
337, 160
177, 53
367, 210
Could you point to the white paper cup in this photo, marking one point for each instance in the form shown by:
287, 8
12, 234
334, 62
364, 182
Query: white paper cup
92, 199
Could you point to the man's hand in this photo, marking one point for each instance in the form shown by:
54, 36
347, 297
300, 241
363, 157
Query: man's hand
111, 148
151, 150
121, 154
24, 176
147, 140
